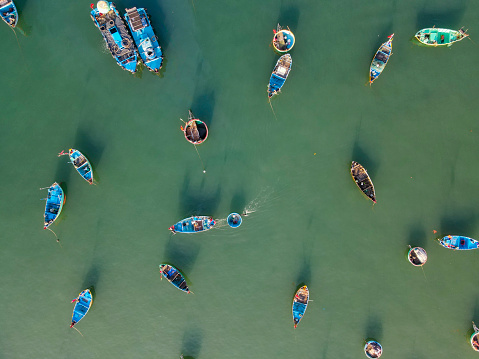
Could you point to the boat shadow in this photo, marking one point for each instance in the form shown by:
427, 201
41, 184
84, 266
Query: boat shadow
458, 224
374, 329
181, 254
63, 172
417, 237
304, 275
191, 344
288, 17
22, 25
360, 156
91, 279
91, 148
195, 200
475, 318
238, 202
449, 18
203, 105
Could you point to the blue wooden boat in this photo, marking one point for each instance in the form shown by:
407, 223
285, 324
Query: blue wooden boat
300, 303
145, 39
174, 276
440, 37
193, 224
54, 204
458, 243
475, 338
373, 349
118, 40
82, 305
380, 59
234, 220
9, 13
280, 74
81, 164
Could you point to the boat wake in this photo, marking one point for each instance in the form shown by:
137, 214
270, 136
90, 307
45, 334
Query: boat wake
263, 196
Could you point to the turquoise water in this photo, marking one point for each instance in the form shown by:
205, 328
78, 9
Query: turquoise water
415, 130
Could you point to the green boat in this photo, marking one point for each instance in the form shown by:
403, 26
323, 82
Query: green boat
440, 37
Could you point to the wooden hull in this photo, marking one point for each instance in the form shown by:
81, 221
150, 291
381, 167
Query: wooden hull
300, 303
145, 39
439, 37
174, 276
279, 75
380, 59
362, 180
283, 40
459, 243
9, 13
193, 224
195, 130
54, 204
117, 38
234, 220
417, 256
82, 306
475, 341
81, 164
373, 349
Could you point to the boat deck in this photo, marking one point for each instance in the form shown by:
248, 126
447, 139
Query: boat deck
117, 38
145, 38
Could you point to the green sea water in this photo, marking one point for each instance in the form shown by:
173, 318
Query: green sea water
415, 130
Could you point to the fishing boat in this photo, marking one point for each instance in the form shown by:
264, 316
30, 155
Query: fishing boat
417, 256
9, 13
82, 305
81, 164
458, 242
193, 224
174, 276
440, 37
195, 130
373, 349
283, 39
475, 338
300, 303
118, 40
380, 59
145, 39
53, 207
234, 220
364, 183
279, 75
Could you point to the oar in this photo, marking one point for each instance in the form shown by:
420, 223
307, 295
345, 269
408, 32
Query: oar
45, 188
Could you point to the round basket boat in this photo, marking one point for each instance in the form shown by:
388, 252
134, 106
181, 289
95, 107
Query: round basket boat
196, 131
234, 220
373, 349
475, 341
417, 256
283, 41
